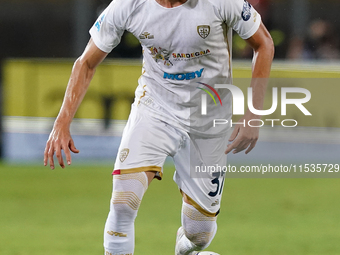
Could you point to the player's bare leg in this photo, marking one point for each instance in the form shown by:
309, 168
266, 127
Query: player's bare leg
196, 232
128, 191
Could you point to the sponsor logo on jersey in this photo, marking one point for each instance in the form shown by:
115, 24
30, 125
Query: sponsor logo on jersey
123, 154
187, 56
146, 35
246, 13
183, 76
99, 22
203, 31
159, 54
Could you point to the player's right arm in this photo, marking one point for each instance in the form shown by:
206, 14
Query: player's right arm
81, 76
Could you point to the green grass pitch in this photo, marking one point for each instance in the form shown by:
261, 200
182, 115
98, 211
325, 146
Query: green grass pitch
62, 212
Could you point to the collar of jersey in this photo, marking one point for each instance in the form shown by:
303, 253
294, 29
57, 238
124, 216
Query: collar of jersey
172, 8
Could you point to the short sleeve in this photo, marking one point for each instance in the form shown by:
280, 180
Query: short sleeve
109, 27
242, 17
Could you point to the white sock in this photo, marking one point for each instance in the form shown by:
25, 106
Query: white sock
199, 230
119, 234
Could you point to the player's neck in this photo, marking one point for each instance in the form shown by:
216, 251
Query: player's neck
170, 3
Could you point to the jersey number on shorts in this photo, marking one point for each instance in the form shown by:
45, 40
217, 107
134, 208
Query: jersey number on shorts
216, 181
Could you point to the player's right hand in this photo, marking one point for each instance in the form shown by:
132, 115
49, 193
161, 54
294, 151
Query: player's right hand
59, 139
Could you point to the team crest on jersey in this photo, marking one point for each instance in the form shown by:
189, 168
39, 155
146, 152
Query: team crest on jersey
123, 154
203, 31
246, 13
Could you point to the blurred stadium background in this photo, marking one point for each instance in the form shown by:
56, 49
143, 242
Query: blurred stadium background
63, 212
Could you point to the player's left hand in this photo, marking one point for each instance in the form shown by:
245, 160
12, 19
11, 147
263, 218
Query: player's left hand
243, 136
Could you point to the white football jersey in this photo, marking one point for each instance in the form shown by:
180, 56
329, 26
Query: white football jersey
186, 51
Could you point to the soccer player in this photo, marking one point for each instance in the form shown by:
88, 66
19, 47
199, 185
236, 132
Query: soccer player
186, 50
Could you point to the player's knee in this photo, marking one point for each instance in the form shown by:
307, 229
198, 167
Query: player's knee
127, 194
201, 233
125, 203
200, 240
198, 228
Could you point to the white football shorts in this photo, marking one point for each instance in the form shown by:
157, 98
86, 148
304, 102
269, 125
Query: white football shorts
146, 143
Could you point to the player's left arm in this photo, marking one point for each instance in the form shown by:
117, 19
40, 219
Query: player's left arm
245, 137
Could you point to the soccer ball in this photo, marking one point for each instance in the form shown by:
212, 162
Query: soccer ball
206, 253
